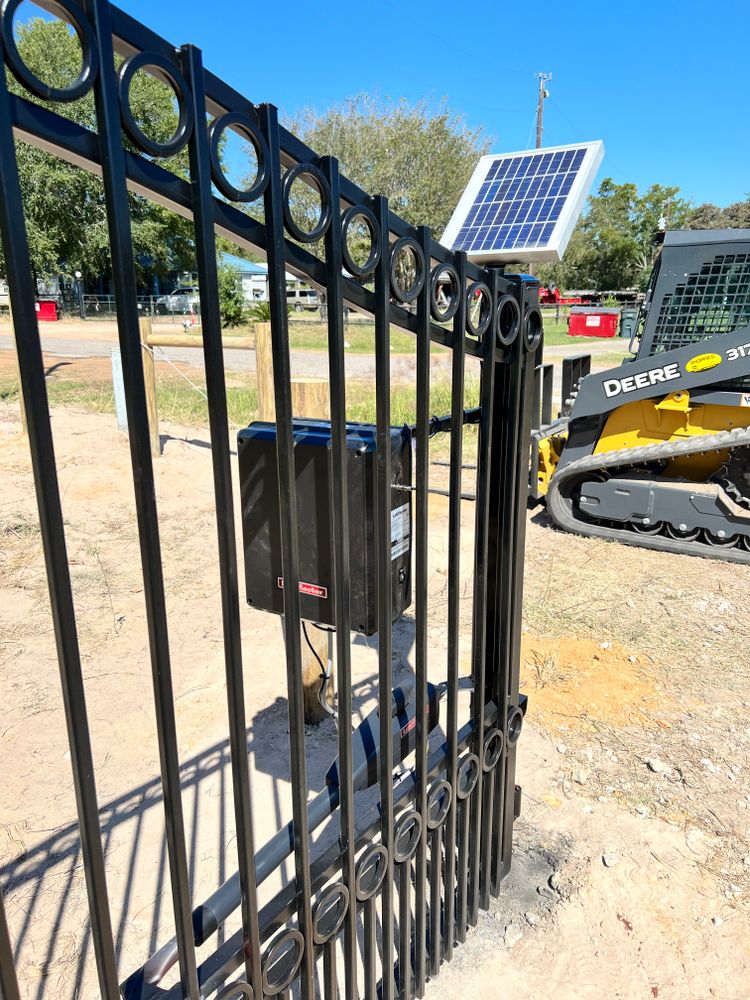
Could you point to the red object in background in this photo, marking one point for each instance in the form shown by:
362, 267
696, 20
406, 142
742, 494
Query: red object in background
593, 322
46, 311
551, 296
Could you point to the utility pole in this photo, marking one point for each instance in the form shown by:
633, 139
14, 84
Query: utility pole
543, 95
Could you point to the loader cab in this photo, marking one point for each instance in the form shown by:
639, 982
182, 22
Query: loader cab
700, 288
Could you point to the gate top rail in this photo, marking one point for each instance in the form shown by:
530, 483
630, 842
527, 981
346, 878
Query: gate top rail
146, 176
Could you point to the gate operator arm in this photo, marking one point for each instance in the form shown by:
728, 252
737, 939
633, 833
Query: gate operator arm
210, 915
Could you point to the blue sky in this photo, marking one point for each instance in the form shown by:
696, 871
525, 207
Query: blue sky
660, 82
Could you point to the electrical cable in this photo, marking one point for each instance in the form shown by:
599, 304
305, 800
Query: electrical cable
325, 677
313, 650
618, 169
442, 425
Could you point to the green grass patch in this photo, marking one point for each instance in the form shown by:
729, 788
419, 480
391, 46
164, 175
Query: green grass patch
360, 337
180, 403
308, 335
556, 335
311, 335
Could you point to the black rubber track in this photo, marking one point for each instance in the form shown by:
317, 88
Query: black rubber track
560, 502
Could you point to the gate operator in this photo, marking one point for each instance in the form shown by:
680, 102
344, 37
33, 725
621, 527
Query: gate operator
261, 528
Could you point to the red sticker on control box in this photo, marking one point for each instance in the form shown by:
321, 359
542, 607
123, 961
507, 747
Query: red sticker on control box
311, 589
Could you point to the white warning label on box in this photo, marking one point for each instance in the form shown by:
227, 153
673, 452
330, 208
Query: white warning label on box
400, 530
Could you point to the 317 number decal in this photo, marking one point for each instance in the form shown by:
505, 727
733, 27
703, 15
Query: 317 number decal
735, 353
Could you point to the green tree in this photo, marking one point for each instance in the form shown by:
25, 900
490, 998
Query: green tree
613, 245
419, 156
708, 216
232, 301
65, 211
705, 216
737, 215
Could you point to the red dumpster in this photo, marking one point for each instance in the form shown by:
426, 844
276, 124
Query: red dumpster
46, 310
593, 322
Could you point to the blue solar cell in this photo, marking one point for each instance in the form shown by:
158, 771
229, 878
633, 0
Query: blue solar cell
519, 201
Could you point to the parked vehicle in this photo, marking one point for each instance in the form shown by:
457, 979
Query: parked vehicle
302, 298
183, 300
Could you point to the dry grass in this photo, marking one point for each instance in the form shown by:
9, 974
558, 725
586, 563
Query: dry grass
20, 542
180, 403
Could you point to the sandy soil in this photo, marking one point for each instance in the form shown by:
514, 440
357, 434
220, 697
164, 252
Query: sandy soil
632, 868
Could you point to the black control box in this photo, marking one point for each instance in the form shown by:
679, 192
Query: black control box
261, 527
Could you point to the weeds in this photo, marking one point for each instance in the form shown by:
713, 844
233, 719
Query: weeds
546, 668
19, 525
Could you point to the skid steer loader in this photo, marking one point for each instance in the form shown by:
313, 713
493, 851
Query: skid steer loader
656, 453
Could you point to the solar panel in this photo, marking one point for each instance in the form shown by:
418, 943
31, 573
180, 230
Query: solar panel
523, 206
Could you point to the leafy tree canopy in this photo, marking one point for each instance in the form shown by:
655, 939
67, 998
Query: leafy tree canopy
65, 211
418, 156
613, 244
707, 216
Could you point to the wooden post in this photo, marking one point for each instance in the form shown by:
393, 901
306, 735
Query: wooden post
24, 428
149, 377
310, 398
264, 372
187, 340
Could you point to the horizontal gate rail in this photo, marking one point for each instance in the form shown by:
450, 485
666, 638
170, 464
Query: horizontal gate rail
398, 877
75, 144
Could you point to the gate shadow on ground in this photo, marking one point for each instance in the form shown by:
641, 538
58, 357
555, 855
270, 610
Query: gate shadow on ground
44, 884
194, 442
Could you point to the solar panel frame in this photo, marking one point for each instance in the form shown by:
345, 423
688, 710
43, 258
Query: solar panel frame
553, 183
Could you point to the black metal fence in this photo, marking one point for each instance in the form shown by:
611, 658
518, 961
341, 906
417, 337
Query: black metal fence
378, 909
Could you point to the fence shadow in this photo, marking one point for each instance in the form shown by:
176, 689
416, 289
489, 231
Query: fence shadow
44, 884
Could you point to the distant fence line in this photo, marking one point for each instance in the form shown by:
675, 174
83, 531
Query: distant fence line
104, 307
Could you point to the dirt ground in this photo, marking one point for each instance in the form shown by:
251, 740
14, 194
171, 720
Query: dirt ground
632, 861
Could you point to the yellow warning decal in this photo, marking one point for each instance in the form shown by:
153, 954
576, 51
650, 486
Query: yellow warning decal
703, 362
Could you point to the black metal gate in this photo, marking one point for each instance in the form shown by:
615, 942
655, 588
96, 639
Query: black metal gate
385, 904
